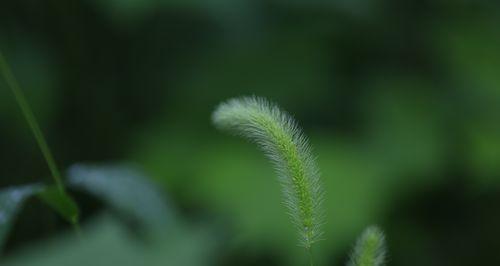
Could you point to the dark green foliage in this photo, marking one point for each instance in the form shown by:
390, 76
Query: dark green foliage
400, 101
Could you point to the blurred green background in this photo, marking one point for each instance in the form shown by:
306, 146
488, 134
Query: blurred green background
400, 99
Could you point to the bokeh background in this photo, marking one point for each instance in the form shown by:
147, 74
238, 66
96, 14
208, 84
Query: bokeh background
400, 99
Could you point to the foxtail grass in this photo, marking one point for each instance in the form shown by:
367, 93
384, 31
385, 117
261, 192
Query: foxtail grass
370, 249
280, 138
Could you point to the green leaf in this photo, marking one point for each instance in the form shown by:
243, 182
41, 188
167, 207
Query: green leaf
11, 202
107, 242
61, 202
125, 189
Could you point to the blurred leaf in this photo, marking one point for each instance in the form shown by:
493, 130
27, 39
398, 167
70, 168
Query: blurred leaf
124, 188
11, 202
61, 202
106, 242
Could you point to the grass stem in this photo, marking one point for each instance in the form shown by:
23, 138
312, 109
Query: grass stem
35, 129
30, 118
311, 259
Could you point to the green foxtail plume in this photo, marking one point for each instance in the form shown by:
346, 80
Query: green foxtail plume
370, 248
279, 136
